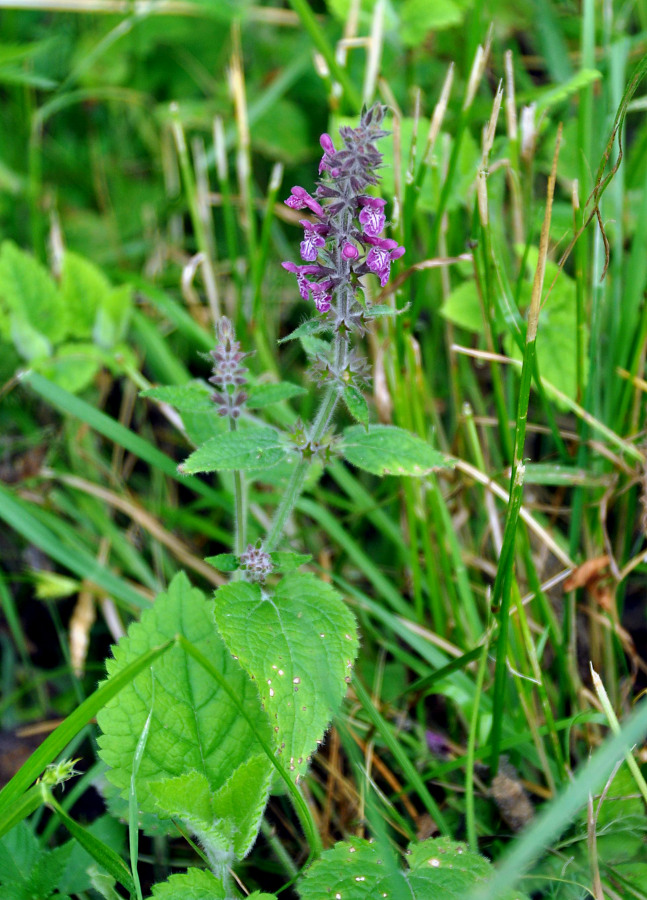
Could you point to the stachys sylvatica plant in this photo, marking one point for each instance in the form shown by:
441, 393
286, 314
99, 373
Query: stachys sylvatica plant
249, 680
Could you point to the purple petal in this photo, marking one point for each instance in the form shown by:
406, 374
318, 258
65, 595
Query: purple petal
373, 220
326, 143
310, 246
374, 202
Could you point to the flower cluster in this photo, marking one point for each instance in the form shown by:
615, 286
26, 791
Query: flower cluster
228, 373
256, 562
342, 236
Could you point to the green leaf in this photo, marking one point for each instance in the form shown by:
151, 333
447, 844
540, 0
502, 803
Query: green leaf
463, 307
439, 867
387, 450
196, 884
298, 643
356, 404
284, 561
554, 95
557, 332
73, 366
76, 877
315, 346
192, 397
352, 868
224, 562
104, 855
307, 328
261, 395
29, 293
26, 870
27, 340
249, 448
84, 288
228, 818
112, 316
419, 17
380, 310
197, 726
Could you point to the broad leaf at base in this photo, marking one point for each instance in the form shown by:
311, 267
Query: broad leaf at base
298, 641
196, 726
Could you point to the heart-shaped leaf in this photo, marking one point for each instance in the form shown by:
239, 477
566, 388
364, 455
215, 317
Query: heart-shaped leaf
298, 641
196, 726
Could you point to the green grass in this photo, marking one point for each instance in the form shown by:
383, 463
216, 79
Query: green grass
139, 142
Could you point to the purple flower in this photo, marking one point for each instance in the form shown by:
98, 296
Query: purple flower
329, 150
300, 199
381, 255
371, 215
321, 297
344, 230
312, 240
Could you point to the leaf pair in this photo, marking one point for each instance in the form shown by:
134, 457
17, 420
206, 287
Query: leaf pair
382, 450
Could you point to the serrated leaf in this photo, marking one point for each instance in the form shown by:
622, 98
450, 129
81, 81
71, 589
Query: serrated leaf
262, 395
561, 92
84, 287
196, 884
249, 448
26, 870
29, 292
224, 562
298, 643
192, 397
307, 328
356, 404
196, 726
352, 868
387, 450
284, 561
228, 818
438, 867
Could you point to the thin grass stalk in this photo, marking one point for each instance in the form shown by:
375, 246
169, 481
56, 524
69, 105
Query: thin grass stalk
318, 38
470, 818
190, 191
556, 815
243, 144
395, 747
614, 724
260, 320
229, 216
501, 595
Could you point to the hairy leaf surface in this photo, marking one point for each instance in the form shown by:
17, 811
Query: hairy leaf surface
249, 448
196, 727
298, 641
387, 450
